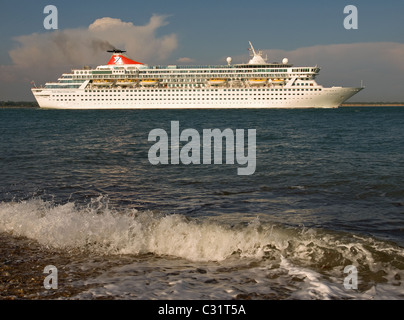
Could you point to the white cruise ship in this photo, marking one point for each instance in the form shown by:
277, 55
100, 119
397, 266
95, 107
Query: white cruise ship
126, 84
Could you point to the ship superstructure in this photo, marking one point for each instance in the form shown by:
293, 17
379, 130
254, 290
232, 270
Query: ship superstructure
127, 84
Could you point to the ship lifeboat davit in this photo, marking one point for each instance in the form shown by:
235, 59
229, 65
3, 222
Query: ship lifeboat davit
217, 82
257, 82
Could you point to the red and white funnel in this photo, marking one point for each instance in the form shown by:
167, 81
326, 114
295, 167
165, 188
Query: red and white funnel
118, 58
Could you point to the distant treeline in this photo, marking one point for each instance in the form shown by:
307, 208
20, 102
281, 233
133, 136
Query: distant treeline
372, 104
24, 104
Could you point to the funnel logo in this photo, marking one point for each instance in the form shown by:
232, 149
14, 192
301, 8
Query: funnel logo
118, 60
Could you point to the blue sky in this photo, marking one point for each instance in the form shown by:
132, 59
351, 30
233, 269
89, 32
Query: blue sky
209, 31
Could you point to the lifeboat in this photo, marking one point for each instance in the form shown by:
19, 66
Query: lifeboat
125, 82
217, 82
149, 82
278, 81
257, 82
102, 82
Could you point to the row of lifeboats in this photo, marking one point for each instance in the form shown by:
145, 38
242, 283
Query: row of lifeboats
212, 82
126, 82
252, 82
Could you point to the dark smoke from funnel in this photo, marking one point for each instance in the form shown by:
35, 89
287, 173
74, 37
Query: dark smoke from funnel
101, 45
73, 45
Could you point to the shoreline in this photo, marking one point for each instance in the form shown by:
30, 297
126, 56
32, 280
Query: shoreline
373, 104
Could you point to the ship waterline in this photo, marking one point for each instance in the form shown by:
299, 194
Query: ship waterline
127, 84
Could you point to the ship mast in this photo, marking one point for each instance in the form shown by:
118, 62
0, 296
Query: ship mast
257, 57
252, 48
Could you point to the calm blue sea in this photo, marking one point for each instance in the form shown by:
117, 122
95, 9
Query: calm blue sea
327, 193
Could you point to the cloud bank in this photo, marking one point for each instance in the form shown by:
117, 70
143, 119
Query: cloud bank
379, 64
185, 60
44, 56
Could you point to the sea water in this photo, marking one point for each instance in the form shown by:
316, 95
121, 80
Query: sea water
78, 192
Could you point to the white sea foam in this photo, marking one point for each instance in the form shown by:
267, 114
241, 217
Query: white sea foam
97, 227
255, 257
100, 229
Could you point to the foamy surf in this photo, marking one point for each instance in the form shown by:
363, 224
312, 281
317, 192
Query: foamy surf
98, 228
270, 261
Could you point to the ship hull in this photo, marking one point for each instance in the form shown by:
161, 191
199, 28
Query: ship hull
192, 98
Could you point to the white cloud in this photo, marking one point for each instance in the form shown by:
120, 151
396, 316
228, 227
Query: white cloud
44, 56
379, 64
185, 60
141, 42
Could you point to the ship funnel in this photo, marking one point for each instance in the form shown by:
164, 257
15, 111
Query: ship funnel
118, 58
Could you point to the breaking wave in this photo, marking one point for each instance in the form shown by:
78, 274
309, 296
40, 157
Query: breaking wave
312, 259
98, 228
